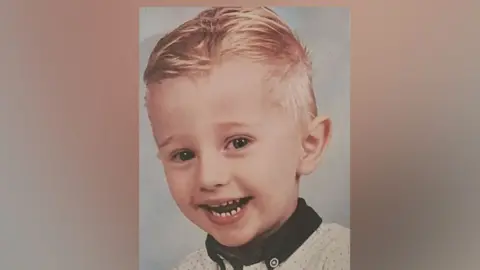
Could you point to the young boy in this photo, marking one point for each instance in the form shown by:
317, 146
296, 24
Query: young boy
234, 116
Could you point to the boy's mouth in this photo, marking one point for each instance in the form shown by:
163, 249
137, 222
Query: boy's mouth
227, 208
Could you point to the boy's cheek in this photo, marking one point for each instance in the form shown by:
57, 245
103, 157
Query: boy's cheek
180, 195
252, 165
177, 182
257, 170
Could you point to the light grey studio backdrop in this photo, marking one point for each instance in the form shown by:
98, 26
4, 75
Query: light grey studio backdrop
165, 235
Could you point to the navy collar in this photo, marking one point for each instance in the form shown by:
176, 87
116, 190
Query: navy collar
273, 250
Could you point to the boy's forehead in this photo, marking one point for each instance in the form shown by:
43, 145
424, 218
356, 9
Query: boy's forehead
235, 94
229, 86
243, 66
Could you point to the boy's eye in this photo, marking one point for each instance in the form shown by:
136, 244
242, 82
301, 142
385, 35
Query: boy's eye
238, 143
184, 155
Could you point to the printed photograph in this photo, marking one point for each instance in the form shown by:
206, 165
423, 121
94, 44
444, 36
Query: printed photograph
244, 138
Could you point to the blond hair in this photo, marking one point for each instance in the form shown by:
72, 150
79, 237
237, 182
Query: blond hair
221, 33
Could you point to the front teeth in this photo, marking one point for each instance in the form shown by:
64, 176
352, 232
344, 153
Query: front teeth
225, 203
227, 214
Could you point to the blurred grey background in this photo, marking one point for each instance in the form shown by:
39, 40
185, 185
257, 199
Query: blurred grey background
165, 235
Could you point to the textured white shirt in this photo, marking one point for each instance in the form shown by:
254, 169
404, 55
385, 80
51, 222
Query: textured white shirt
328, 248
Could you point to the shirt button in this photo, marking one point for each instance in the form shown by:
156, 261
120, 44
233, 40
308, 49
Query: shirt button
274, 262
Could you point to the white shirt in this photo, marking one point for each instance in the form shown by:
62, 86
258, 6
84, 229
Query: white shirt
328, 248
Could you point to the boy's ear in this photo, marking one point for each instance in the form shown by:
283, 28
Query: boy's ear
313, 144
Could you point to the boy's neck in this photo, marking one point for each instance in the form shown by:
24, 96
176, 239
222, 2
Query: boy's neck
279, 242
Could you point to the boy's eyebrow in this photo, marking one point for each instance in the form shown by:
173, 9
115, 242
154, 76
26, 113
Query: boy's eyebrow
221, 126
165, 142
230, 125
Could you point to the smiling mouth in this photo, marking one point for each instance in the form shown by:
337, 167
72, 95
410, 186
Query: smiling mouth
228, 208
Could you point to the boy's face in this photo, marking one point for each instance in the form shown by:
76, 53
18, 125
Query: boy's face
220, 140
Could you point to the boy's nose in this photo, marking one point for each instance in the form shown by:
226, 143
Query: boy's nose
212, 173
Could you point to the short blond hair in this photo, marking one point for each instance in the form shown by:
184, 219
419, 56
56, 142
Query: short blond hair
221, 33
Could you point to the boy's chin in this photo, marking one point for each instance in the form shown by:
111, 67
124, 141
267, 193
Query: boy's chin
233, 239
